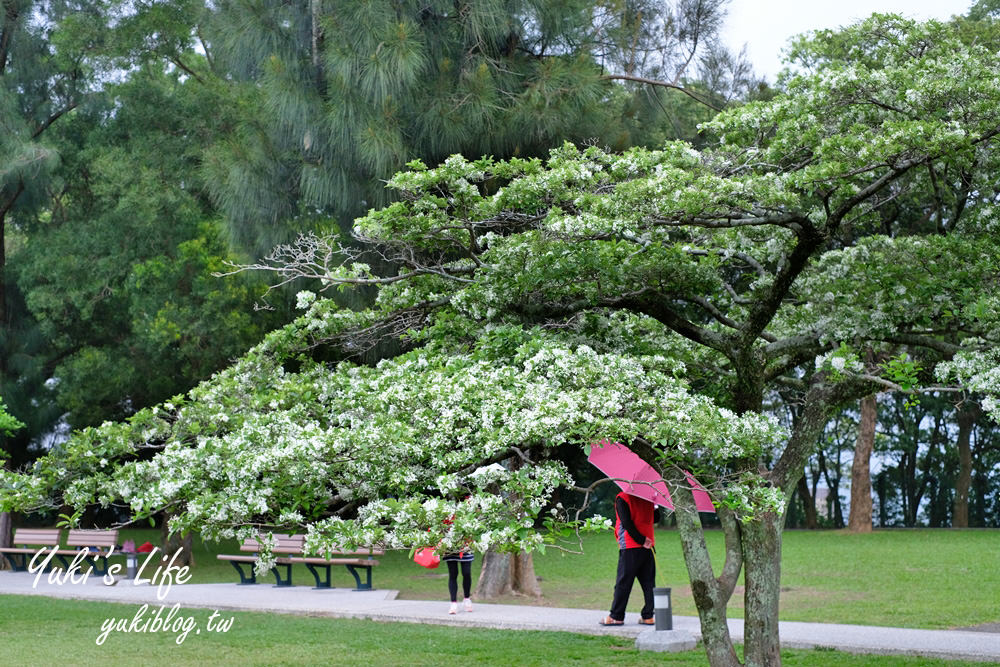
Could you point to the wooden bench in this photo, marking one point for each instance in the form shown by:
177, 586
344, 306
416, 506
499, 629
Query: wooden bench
284, 545
19, 557
289, 551
98, 543
362, 559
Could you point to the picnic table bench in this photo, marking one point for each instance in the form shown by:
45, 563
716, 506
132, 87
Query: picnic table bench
289, 551
98, 545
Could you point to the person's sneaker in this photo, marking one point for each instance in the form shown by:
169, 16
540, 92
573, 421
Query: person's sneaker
468, 604
453, 609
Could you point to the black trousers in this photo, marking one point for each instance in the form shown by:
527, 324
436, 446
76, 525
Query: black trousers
466, 578
634, 564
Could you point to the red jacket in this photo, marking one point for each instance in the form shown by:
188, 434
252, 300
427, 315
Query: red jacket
640, 514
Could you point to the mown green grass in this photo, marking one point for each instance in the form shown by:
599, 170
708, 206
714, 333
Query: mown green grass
906, 578
35, 630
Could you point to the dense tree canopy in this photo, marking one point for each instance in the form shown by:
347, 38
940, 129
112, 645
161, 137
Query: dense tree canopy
125, 117
38, 85
661, 297
118, 273
344, 94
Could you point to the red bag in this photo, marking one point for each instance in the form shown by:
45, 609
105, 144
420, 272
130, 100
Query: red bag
427, 557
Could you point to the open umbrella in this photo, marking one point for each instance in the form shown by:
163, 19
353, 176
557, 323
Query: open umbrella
638, 478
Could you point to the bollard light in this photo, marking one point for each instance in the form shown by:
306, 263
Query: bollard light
132, 562
662, 610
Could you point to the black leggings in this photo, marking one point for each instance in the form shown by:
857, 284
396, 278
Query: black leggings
453, 578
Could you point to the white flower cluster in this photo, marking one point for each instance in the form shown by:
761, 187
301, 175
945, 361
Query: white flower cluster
977, 370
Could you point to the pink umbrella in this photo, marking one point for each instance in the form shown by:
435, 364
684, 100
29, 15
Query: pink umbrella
638, 478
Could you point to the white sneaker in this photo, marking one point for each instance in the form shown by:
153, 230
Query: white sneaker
454, 608
468, 604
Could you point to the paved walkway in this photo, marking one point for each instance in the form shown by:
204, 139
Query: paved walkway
382, 605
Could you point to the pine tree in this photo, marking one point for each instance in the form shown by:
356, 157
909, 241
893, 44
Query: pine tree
35, 90
343, 94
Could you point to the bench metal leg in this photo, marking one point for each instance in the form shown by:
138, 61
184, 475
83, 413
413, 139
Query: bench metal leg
99, 570
367, 585
244, 579
287, 581
14, 565
320, 583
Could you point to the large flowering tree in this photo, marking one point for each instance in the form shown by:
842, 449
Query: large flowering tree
665, 298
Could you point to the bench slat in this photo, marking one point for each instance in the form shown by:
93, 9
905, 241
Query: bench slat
285, 544
92, 538
335, 561
39, 536
250, 559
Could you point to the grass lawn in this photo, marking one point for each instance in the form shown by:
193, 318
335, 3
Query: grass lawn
924, 578
35, 630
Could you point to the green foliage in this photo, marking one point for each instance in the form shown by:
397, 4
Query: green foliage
525, 283
119, 277
8, 424
521, 289
341, 95
264, 639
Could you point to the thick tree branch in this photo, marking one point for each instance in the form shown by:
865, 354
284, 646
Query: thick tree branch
736, 219
762, 311
724, 253
791, 344
664, 84
888, 384
917, 340
661, 312
734, 552
821, 398
51, 119
720, 316
177, 61
834, 219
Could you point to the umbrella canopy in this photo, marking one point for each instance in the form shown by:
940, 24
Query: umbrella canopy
638, 478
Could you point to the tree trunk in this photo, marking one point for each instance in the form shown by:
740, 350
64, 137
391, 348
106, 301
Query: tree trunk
980, 487
761, 537
6, 526
808, 502
710, 594
834, 512
960, 514
860, 518
507, 574
762, 570
173, 543
881, 490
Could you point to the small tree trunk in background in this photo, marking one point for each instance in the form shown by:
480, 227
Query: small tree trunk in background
860, 518
880, 489
506, 574
173, 543
6, 525
966, 420
808, 502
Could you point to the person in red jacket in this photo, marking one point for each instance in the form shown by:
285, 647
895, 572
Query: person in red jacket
634, 532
